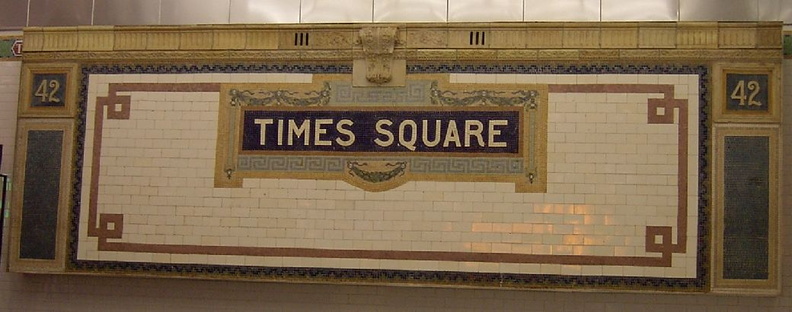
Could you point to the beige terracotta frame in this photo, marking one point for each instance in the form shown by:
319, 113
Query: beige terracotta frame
69, 109
772, 285
17, 264
720, 93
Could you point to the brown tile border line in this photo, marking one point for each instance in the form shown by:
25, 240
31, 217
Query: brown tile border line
119, 108
668, 103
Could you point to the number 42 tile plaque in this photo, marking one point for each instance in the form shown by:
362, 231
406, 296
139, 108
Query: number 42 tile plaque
50, 90
746, 93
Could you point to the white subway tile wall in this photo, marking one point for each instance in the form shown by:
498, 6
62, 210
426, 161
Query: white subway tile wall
610, 175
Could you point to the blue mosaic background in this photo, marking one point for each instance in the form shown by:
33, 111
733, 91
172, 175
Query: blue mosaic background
41, 194
746, 208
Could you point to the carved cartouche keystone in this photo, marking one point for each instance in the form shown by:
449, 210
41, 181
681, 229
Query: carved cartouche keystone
378, 44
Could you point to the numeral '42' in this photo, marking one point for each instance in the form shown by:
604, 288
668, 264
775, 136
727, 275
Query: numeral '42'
739, 93
47, 91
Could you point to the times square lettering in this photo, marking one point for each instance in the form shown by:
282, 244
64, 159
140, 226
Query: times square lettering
373, 131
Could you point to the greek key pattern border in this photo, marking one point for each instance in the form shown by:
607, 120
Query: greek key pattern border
433, 165
415, 92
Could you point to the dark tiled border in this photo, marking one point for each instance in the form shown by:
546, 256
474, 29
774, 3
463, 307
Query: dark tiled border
699, 283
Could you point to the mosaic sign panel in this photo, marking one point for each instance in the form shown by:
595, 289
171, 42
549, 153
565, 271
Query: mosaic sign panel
495, 176
397, 155
492, 133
